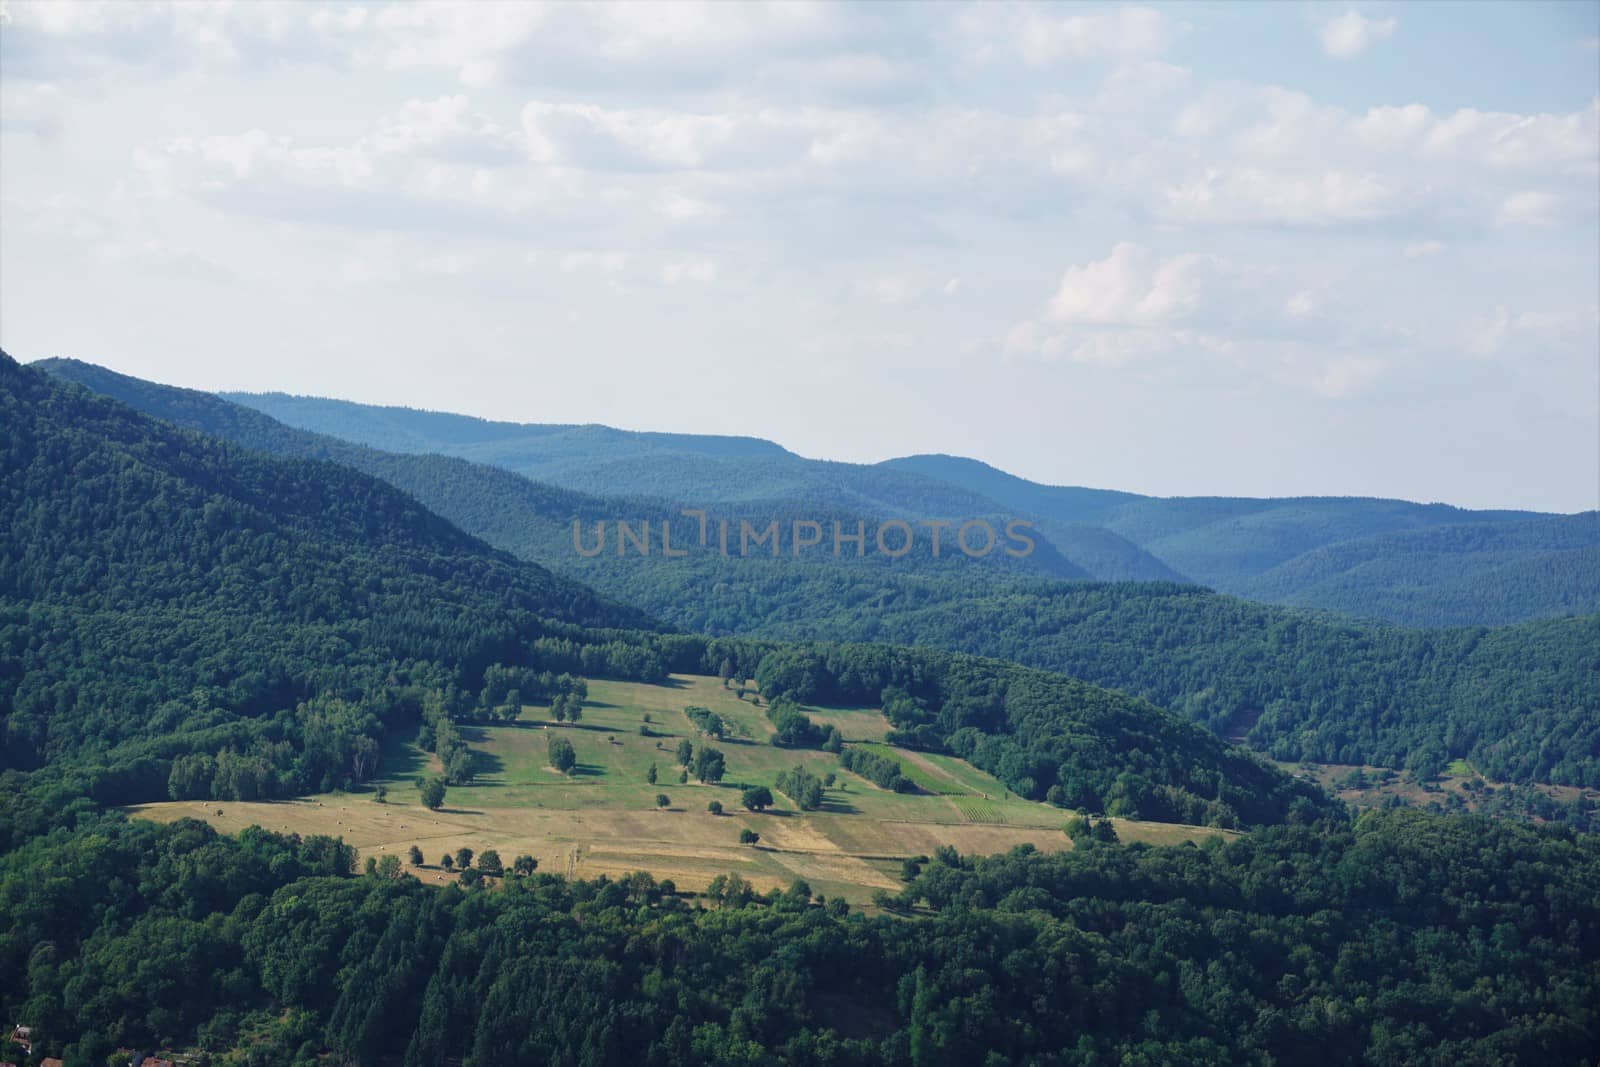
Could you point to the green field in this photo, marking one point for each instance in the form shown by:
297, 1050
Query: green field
602, 818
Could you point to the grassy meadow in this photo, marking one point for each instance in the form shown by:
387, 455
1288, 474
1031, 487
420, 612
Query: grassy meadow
603, 818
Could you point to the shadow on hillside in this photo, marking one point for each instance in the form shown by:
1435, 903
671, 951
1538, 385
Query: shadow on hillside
400, 759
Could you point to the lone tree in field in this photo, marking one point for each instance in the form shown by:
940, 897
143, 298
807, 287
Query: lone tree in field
463, 857
524, 865
709, 764
748, 837
447, 861
489, 863
685, 752
662, 800
415, 856
650, 775
757, 798
715, 807
562, 757
432, 792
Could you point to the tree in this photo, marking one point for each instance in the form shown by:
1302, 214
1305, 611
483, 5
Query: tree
725, 671
415, 856
471, 876
524, 865
650, 775
685, 752
757, 798
802, 786
709, 764
447, 861
463, 857
683, 776
748, 837
715, 807
371, 866
833, 741
909, 870
662, 800
388, 865
562, 756
489, 863
382, 794
433, 790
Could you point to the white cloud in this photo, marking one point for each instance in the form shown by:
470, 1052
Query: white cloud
1130, 287
689, 271
603, 262
1352, 33
1254, 194
1528, 208
1045, 37
1342, 377
679, 207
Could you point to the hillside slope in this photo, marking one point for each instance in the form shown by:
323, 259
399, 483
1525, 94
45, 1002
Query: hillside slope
1297, 685
1460, 574
1229, 543
181, 616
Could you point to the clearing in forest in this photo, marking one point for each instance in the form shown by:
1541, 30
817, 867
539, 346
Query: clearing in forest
603, 818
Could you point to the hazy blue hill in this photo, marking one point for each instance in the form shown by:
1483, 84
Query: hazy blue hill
1222, 541
1107, 556
608, 462
534, 519
1068, 504
1450, 575
1229, 543
511, 444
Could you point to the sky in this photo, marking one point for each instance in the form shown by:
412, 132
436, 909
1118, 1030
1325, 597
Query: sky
1253, 249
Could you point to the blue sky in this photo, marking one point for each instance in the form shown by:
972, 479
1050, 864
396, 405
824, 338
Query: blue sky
1200, 248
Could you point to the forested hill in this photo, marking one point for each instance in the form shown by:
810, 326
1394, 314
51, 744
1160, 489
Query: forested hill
1415, 564
163, 592
1519, 702
164, 628
189, 506
1260, 548
534, 519
1461, 575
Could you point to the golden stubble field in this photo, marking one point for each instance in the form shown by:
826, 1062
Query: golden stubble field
603, 818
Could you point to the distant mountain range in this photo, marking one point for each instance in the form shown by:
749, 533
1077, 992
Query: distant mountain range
1387, 559
1294, 683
